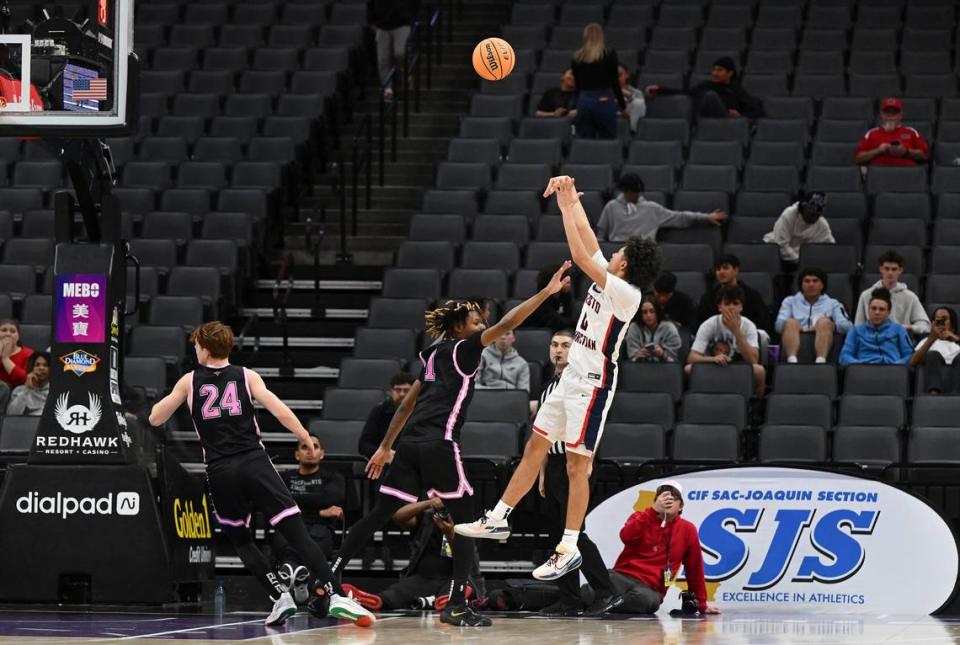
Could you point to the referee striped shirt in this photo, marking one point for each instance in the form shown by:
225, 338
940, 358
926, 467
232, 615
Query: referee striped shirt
558, 447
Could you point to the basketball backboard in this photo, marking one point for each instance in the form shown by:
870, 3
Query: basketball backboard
67, 70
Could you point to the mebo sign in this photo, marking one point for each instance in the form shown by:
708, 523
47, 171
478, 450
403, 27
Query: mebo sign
786, 539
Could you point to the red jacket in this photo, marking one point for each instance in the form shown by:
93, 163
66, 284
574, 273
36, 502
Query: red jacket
645, 552
19, 374
908, 138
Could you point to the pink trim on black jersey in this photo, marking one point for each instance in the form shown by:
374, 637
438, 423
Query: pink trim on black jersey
227, 522
192, 421
285, 513
399, 494
458, 404
463, 486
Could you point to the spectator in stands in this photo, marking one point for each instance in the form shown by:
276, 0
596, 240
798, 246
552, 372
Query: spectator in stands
29, 398
937, 352
320, 494
801, 223
892, 143
907, 309
556, 312
13, 359
375, 429
729, 337
598, 86
677, 306
636, 105
650, 338
880, 340
391, 20
725, 271
559, 101
656, 542
810, 311
502, 367
630, 215
425, 581
721, 96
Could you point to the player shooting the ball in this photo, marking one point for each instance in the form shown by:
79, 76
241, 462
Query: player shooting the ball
575, 411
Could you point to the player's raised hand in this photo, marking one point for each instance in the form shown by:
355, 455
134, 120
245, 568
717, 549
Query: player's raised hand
566, 190
559, 281
380, 458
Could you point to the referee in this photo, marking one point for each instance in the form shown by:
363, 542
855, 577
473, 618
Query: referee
553, 486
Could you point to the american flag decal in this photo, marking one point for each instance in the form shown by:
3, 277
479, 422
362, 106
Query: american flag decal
90, 89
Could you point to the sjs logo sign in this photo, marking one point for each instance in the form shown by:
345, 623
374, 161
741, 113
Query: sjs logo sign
835, 535
786, 539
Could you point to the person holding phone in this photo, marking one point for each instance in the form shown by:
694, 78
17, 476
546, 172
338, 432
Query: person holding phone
892, 143
650, 338
656, 543
937, 352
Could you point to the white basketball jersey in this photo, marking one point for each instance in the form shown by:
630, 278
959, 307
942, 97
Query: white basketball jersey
602, 325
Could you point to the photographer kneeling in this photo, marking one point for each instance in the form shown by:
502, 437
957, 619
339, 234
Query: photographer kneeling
656, 542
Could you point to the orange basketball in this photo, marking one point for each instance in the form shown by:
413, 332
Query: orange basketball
493, 59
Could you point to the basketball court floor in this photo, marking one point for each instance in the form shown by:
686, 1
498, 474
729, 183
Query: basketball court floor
415, 627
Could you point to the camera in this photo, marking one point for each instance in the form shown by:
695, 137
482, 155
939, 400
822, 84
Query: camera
443, 514
941, 321
688, 605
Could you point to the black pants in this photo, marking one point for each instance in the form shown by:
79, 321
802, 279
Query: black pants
712, 106
321, 535
595, 571
434, 468
238, 485
939, 376
401, 594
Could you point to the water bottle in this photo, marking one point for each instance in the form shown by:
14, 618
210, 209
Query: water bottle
219, 601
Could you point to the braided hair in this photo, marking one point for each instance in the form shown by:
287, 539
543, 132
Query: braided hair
442, 320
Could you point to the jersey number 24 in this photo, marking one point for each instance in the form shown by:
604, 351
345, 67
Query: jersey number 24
214, 404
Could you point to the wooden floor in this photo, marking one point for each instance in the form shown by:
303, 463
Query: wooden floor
728, 629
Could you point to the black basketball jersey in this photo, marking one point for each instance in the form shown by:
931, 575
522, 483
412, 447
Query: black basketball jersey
222, 412
446, 388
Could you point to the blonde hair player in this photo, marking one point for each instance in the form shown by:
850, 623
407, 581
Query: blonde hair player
575, 411
241, 476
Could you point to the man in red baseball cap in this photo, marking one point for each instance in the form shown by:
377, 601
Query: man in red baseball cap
892, 143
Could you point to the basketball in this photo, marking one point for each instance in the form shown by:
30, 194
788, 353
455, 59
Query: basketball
493, 59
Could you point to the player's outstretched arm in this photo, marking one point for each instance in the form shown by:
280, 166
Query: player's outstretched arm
384, 454
276, 407
580, 238
515, 317
165, 407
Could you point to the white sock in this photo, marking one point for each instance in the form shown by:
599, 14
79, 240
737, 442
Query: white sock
791, 359
501, 511
569, 540
820, 359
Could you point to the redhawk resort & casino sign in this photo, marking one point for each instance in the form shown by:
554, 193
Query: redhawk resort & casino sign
789, 539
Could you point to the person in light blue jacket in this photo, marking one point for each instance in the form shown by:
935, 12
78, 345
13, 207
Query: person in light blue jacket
810, 311
878, 341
